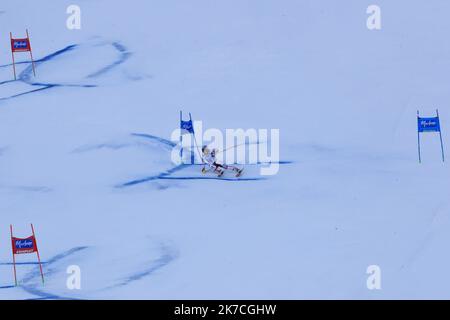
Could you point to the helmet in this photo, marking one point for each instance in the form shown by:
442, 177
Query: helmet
205, 150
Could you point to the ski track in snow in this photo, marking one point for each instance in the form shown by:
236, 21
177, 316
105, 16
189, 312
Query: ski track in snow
425, 240
117, 146
39, 189
29, 284
25, 75
21, 263
168, 254
124, 55
167, 175
33, 289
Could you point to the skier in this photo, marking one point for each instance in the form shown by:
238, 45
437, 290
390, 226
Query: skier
210, 159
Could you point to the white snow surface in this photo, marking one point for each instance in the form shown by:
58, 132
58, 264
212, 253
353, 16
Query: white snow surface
106, 98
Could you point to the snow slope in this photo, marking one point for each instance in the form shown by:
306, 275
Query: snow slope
85, 149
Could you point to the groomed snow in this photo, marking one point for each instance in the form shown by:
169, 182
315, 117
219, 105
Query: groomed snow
85, 149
